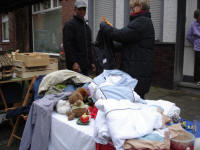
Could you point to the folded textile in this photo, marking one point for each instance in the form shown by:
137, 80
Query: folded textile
37, 129
127, 120
150, 141
114, 84
60, 76
170, 109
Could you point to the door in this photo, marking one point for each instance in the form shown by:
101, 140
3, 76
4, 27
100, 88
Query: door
197, 58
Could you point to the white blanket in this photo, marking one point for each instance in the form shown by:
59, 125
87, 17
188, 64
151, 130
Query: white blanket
169, 109
125, 120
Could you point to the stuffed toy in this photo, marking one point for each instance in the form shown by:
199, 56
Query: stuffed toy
63, 106
78, 108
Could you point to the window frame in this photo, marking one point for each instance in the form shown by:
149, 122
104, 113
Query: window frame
42, 11
5, 19
127, 12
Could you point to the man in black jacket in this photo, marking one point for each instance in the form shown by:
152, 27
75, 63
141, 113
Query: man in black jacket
137, 40
77, 41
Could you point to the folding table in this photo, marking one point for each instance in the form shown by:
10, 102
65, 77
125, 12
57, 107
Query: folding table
10, 81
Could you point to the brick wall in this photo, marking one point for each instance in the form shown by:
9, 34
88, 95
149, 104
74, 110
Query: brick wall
164, 54
18, 31
22, 29
12, 34
67, 10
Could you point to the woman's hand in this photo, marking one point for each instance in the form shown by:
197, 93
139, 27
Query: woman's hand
102, 25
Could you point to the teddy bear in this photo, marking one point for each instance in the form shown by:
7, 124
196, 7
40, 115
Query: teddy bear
63, 106
78, 108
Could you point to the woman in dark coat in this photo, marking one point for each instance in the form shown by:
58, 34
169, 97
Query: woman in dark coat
137, 40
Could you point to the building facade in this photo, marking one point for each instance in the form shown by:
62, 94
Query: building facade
40, 29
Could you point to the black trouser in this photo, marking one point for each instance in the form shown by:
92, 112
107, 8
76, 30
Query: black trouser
197, 67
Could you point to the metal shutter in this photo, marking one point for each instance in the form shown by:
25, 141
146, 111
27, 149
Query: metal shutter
102, 8
155, 9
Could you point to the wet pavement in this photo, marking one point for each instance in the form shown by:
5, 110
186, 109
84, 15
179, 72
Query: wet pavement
187, 99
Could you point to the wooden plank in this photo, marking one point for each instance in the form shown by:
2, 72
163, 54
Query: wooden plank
29, 69
33, 73
15, 80
53, 64
19, 66
1, 75
33, 59
18, 63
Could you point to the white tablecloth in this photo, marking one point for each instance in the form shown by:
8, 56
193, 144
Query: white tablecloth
67, 135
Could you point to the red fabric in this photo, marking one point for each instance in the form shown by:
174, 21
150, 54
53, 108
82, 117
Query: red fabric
62, 52
93, 111
136, 13
104, 147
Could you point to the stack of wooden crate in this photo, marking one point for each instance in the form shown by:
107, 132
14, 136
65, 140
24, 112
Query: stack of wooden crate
30, 64
6, 66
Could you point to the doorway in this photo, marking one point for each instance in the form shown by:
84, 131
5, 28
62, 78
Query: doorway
197, 58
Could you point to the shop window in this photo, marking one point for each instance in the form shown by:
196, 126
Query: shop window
5, 28
47, 31
156, 15
46, 5
156, 9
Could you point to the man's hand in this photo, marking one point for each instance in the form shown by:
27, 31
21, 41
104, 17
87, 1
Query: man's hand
76, 67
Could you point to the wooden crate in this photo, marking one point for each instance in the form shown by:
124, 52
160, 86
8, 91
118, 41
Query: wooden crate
33, 59
53, 64
32, 73
25, 72
20, 66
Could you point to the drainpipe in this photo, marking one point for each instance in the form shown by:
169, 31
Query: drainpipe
180, 41
30, 29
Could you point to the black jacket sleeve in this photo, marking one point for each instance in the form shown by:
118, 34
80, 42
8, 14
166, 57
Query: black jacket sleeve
68, 38
128, 34
90, 54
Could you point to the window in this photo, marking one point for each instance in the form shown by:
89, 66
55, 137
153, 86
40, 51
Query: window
5, 28
47, 5
156, 15
47, 26
156, 9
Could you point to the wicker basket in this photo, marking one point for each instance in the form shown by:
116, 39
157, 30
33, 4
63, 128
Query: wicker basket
6, 66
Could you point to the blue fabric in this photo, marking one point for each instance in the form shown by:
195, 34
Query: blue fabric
15, 95
123, 89
36, 87
152, 137
190, 123
70, 88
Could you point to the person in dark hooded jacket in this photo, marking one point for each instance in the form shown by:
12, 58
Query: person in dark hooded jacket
137, 43
77, 41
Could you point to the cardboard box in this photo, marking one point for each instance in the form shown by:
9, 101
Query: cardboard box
33, 59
